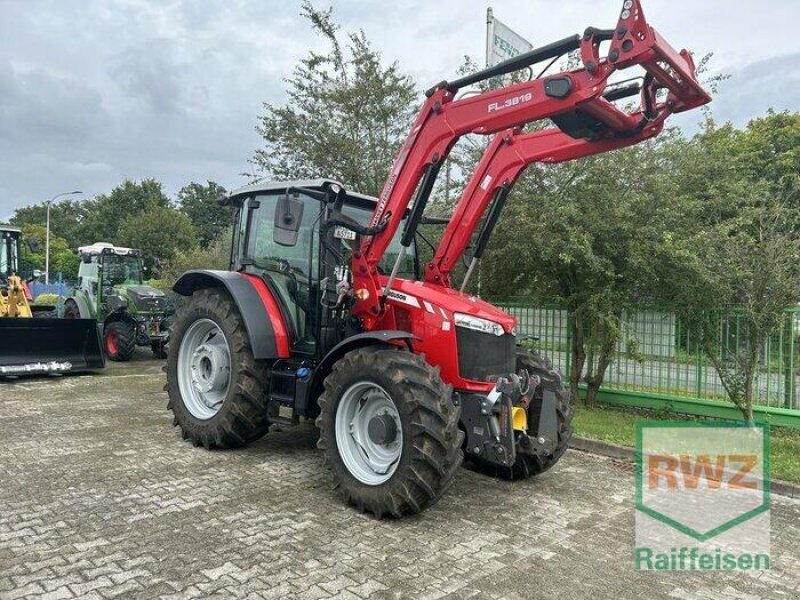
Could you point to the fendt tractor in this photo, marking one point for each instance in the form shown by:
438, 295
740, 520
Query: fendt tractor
33, 340
111, 289
327, 314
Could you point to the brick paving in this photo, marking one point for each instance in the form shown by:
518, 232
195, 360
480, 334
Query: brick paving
100, 498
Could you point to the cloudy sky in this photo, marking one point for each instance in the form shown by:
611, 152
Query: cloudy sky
94, 91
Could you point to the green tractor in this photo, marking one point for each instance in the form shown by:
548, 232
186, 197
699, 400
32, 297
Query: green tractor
111, 289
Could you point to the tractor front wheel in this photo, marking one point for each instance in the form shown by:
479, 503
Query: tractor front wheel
71, 310
389, 430
119, 340
216, 388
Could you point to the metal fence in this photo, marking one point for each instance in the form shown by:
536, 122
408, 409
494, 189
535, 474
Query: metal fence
60, 288
657, 354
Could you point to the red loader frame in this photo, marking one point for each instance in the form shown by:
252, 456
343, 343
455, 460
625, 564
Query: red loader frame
501, 165
588, 123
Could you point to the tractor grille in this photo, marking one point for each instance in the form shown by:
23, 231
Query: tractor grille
483, 356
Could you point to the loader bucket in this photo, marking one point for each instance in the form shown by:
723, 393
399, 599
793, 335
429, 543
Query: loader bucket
29, 346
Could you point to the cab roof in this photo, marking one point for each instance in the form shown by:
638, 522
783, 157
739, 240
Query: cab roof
10, 228
106, 248
271, 186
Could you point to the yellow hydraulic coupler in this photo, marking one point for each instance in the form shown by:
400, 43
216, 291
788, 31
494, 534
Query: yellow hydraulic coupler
519, 418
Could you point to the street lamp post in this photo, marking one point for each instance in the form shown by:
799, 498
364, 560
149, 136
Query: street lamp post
47, 236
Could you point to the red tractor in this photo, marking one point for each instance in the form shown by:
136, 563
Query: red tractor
327, 314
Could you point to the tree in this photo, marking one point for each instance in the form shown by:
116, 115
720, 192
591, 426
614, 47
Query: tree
201, 204
65, 219
743, 252
106, 213
770, 152
158, 232
746, 268
62, 259
215, 255
589, 233
346, 115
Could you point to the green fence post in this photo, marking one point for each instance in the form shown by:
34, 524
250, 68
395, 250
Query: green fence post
698, 384
569, 346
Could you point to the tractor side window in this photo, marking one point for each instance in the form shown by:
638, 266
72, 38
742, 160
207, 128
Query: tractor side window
88, 271
4, 256
268, 254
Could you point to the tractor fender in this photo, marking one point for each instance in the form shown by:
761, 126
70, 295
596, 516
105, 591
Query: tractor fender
369, 338
257, 306
84, 308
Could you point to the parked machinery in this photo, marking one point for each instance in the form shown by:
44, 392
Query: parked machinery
33, 340
111, 289
326, 312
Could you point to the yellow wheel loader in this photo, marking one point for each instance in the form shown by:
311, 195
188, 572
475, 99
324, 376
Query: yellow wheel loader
32, 339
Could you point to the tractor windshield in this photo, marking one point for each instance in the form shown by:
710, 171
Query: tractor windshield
120, 270
363, 215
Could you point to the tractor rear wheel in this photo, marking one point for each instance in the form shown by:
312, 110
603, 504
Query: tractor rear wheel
216, 388
119, 340
527, 465
389, 430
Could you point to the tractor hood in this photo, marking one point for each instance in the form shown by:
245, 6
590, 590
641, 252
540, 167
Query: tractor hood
434, 298
145, 297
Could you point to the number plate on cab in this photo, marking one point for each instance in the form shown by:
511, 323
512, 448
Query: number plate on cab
343, 233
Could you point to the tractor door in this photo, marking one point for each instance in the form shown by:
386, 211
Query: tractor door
89, 275
286, 257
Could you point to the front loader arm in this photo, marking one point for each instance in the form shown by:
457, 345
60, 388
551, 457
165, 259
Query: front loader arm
505, 159
442, 120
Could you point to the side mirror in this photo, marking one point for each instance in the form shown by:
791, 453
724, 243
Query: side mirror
288, 216
37, 273
34, 246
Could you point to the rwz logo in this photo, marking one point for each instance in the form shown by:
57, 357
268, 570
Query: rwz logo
702, 496
718, 471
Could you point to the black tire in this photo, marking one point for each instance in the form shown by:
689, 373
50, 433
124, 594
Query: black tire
159, 349
526, 465
242, 418
119, 340
71, 310
431, 439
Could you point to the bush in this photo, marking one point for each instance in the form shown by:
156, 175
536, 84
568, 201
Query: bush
214, 256
46, 299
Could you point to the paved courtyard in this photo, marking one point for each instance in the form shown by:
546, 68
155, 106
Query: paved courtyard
100, 498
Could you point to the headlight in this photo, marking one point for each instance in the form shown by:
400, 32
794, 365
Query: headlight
477, 324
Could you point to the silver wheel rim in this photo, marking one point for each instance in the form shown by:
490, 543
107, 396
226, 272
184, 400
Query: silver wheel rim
366, 459
204, 368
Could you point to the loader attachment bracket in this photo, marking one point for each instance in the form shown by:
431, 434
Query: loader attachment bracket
489, 428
